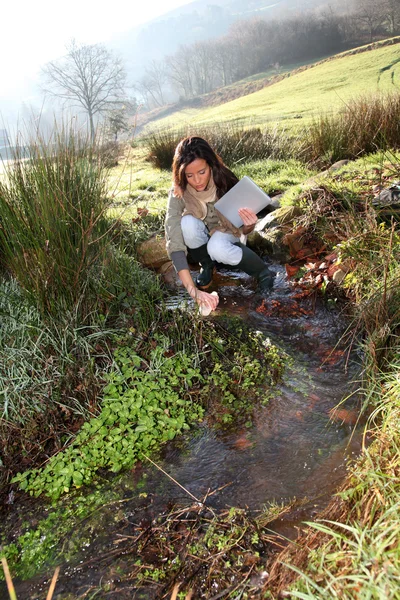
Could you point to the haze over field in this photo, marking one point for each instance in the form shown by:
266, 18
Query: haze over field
137, 32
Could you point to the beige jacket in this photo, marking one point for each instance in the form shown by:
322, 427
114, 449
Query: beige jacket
178, 207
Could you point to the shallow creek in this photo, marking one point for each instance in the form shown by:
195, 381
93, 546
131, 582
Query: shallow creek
295, 448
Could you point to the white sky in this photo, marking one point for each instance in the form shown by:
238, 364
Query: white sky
34, 32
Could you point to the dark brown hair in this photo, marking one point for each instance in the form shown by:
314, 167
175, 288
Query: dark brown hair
191, 148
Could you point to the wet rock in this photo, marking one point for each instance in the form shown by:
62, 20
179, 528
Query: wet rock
344, 415
169, 274
268, 242
268, 233
260, 243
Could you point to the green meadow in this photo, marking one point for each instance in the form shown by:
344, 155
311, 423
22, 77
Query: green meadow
324, 87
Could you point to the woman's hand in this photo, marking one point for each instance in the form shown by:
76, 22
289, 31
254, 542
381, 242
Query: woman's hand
249, 219
205, 299
202, 298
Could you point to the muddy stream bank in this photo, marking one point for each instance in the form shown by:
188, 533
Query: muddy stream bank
298, 446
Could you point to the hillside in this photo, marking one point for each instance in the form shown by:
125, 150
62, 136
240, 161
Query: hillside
324, 86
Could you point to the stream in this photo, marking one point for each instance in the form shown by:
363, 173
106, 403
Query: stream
296, 448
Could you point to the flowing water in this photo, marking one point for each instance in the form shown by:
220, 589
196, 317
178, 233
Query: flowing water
296, 448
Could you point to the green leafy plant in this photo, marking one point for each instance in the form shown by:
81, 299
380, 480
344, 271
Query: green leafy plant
245, 365
141, 409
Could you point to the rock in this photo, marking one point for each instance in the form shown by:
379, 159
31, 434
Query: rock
165, 267
273, 204
268, 242
339, 275
152, 253
280, 216
258, 242
387, 202
338, 165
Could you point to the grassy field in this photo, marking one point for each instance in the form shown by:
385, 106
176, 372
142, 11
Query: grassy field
297, 98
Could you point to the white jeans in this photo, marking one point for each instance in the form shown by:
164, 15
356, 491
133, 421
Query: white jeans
220, 246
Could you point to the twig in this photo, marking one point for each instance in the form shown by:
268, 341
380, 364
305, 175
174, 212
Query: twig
53, 584
175, 592
10, 585
174, 480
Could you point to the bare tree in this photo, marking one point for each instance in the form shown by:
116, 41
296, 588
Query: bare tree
89, 77
392, 13
151, 85
180, 72
203, 67
225, 59
371, 14
157, 73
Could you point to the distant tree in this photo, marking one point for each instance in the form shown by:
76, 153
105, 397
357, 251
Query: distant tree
371, 15
224, 51
157, 73
117, 118
203, 67
151, 85
89, 77
392, 13
180, 70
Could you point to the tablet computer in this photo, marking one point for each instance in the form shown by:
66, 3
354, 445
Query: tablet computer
244, 194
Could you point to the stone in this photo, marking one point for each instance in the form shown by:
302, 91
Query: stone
152, 252
338, 164
169, 275
258, 242
339, 275
280, 216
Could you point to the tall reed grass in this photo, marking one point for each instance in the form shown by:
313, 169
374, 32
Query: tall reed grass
53, 226
232, 142
365, 125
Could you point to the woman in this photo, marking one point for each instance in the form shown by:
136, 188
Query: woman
192, 223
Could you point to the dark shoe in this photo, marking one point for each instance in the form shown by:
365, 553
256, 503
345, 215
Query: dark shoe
200, 255
253, 265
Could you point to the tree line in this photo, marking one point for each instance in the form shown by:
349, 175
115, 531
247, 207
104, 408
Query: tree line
257, 45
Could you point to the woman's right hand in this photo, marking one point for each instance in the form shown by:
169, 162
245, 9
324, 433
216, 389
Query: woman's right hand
202, 298
206, 299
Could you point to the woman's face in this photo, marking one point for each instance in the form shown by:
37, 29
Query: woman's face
198, 174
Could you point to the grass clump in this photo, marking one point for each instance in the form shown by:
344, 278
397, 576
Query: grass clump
66, 290
365, 125
54, 230
234, 143
140, 410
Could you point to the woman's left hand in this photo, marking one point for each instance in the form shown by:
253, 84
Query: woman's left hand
249, 219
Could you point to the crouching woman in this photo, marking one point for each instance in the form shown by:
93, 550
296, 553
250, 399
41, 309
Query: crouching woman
193, 224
